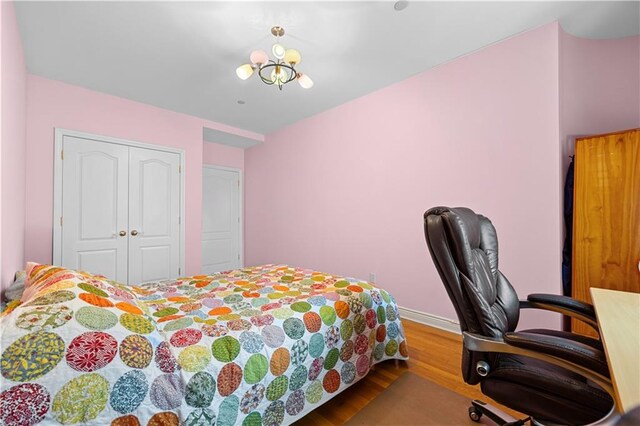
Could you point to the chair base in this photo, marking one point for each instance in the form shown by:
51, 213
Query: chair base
499, 417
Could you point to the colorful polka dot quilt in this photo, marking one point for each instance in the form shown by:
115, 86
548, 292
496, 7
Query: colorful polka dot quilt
256, 346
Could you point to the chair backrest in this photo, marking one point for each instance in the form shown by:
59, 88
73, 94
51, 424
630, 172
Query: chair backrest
464, 248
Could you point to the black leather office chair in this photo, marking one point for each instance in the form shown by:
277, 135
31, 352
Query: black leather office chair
553, 376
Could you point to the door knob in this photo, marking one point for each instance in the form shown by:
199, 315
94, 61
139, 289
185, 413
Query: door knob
123, 233
134, 232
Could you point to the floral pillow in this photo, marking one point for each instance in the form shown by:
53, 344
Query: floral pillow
40, 277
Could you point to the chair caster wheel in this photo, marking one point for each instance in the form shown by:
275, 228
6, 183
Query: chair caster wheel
474, 414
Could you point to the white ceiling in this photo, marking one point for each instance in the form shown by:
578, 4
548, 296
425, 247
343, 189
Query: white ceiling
182, 55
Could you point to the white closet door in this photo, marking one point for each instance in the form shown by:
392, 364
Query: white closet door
94, 207
220, 220
154, 214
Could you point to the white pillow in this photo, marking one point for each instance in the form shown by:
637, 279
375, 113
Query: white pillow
15, 290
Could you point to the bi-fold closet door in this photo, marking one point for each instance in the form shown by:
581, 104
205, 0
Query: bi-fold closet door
120, 210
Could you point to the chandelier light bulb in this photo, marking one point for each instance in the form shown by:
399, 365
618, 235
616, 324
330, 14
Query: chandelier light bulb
259, 57
292, 56
278, 50
244, 71
274, 76
279, 76
305, 81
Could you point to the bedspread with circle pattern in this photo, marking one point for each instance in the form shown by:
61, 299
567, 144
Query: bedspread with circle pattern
261, 345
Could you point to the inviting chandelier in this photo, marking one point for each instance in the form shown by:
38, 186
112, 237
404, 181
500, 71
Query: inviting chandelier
279, 72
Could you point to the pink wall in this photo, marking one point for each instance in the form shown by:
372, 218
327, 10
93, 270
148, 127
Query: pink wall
599, 87
222, 155
52, 104
599, 90
344, 191
14, 96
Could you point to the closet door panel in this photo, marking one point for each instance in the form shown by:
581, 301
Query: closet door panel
606, 252
154, 214
94, 212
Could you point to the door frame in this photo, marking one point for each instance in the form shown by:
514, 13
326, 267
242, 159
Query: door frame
60, 133
240, 206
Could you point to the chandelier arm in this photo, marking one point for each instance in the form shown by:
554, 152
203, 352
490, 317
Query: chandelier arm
265, 81
292, 73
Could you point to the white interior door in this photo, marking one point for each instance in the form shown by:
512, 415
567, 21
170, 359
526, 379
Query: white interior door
94, 220
154, 215
220, 220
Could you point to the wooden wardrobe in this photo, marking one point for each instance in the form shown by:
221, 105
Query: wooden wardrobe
606, 216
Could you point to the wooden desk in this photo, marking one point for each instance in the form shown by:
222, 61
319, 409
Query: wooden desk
618, 315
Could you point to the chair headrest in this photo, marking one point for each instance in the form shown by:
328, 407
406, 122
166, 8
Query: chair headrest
464, 220
463, 230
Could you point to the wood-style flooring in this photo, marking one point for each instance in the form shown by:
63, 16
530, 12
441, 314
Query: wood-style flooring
434, 354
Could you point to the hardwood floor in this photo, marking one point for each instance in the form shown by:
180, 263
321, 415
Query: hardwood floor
434, 354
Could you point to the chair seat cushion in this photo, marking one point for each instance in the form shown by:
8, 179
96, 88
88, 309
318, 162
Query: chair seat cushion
544, 391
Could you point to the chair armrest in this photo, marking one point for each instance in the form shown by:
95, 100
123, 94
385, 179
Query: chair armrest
478, 343
570, 350
565, 302
565, 305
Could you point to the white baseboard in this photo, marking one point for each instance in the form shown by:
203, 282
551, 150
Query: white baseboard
429, 319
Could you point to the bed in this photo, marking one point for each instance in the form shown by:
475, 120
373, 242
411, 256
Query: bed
260, 345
